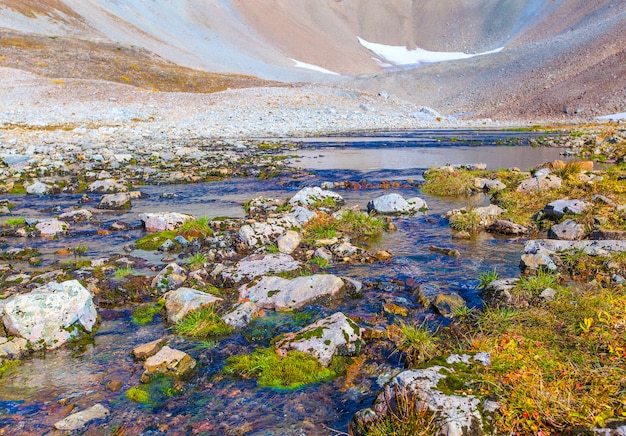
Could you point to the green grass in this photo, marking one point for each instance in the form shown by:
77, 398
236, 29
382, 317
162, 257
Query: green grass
153, 241
444, 183
15, 221
323, 226
80, 250
196, 228
292, 371
197, 261
360, 224
529, 287
123, 272
466, 222
319, 261
416, 342
8, 365
204, 323
145, 313
487, 277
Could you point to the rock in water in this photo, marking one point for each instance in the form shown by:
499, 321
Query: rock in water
395, 204
183, 300
76, 421
50, 315
160, 222
334, 335
168, 361
308, 196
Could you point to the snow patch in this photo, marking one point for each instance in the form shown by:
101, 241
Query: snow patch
403, 56
614, 117
313, 67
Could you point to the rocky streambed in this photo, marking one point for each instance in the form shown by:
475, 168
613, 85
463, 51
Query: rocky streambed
251, 287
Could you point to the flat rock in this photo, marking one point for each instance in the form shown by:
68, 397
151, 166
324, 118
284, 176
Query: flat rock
180, 302
241, 315
395, 204
537, 261
160, 222
51, 227
117, 201
559, 208
288, 242
312, 195
507, 227
168, 361
143, 351
78, 215
540, 182
282, 294
569, 230
301, 215
260, 264
334, 335
78, 420
50, 315
593, 248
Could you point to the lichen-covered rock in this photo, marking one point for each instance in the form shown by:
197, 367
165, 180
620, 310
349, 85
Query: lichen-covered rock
569, 230
260, 264
78, 420
107, 186
592, 248
559, 208
51, 227
170, 277
310, 196
301, 215
117, 201
241, 315
334, 335
50, 315
542, 181
14, 348
288, 242
168, 361
396, 204
160, 222
262, 233
282, 294
506, 227
488, 184
76, 216
181, 301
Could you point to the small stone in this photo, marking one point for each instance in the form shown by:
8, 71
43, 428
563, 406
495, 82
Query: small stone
383, 255
168, 361
143, 351
118, 201
548, 294
50, 227
114, 385
394, 309
288, 242
79, 420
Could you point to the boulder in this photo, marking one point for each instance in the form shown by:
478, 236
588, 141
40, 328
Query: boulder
51, 227
14, 348
257, 234
282, 294
38, 188
534, 262
241, 315
50, 315
334, 335
160, 222
107, 186
310, 196
301, 215
569, 230
559, 208
507, 227
260, 264
540, 182
288, 242
488, 184
181, 301
117, 201
603, 234
446, 304
395, 204
76, 216
498, 292
168, 361
170, 277
143, 351
78, 420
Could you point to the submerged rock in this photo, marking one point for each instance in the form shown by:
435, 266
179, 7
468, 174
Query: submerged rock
50, 315
183, 300
143, 351
78, 420
446, 304
282, 294
334, 335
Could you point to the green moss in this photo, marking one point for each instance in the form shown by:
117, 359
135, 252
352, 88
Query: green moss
292, 371
203, 323
8, 365
145, 313
15, 221
153, 241
317, 332
138, 394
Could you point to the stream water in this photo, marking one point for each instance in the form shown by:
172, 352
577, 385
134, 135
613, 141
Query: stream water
33, 396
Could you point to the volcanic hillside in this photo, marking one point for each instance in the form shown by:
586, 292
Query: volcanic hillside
515, 59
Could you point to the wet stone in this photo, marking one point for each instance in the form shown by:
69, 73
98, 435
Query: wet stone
168, 361
143, 351
118, 201
447, 304
310, 196
80, 419
241, 315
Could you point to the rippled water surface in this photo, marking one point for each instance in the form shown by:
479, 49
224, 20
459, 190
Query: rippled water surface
33, 396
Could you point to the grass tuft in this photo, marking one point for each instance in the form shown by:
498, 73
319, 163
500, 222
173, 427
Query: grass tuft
416, 342
203, 323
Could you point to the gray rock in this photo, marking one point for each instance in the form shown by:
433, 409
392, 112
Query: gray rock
540, 182
618, 279
118, 201
170, 277
50, 315
180, 302
13, 160
107, 186
559, 208
14, 348
569, 230
597, 234
324, 253
488, 184
282, 294
548, 294
330, 336
260, 264
241, 315
288, 242
301, 215
78, 420
534, 262
160, 222
308, 196
506, 227
593, 248
50, 227
395, 204
262, 233
38, 188
345, 249
76, 216
498, 292
427, 292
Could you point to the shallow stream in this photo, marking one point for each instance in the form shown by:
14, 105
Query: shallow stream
33, 396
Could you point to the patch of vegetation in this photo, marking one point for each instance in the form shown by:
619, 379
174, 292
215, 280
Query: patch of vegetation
197, 261
16, 221
446, 183
416, 342
153, 241
80, 250
468, 221
8, 365
121, 273
487, 277
324, 203
202, 323
273, 249
407, 416
320, 261
138, 394
323, 226
145, 313
529, 287
291, 371
196, 228
360, 224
